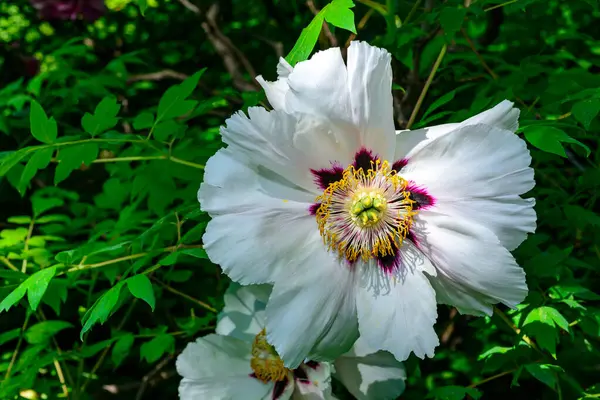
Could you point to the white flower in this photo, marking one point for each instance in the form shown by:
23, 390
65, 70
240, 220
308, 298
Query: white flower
360, 227
238, 363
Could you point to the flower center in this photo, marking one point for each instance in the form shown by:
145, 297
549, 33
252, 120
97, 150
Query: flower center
367, 207
365, 213
265, 362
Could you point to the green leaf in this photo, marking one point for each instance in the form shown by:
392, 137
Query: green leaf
453, 393
544, 373
35, 286
42, 332
71, 158
198, 253
173, 102
122, 348
585, 111
104, 117
141, 287
56, 294
20, 220
144, 120
169, 259
183, 275
39, 160
338, 13
143, 5
439, 102
155, 348
451, 20
38, 284
307, 40
42, 128
550, 139
102, 308
42, 204
7, 336
545, 335
581, 217
549, 316
91, 351
164, 129
188, 86
10, 159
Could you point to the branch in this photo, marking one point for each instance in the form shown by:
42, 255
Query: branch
192, 7
231, 55
157, 76
413, 116
326, 31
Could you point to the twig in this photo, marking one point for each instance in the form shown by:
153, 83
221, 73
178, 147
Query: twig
380, 8
481, 60
500, 5
26, 248
147, 377
491, 378
59, 371
231, 55
360, 26
127, 258
326, 31
185, 296
192, 7
508, 322
412, 11
61, 378
415, 111
16, 352
105, 351
158, 76
10, 265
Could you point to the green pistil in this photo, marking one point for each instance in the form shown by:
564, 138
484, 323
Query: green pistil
368, 208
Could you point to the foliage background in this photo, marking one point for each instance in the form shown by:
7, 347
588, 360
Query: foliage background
102, 273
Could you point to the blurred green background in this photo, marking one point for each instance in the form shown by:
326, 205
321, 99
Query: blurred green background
108, 190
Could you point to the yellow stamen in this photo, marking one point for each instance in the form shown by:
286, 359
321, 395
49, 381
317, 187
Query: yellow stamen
366, 213
265, 362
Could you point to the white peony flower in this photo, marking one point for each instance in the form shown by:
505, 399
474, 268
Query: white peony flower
360, 227
238, 363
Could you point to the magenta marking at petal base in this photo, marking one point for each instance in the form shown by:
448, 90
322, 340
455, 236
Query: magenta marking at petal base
364, 159
420, 195
399, 164
326, 176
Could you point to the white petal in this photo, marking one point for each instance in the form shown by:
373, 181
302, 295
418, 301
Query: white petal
231, 184
408, 142
311, 311
397, 310
243, 315
284, 69
256, 246
276, 91
510, 217
503, 116
370, 87
474, 269
318, 386
475, 172
218, 367
289, 146
377, 376
319, 86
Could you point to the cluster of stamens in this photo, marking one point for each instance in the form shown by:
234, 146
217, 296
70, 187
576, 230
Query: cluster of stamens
366, 213
265, 362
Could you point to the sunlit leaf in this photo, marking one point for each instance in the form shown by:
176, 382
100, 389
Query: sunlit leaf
42, 128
